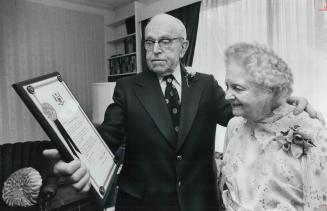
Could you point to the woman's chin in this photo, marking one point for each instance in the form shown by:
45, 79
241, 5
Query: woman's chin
237, 112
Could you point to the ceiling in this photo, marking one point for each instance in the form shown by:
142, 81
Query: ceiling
108, 4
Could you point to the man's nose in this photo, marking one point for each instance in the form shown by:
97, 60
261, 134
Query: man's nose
156, 48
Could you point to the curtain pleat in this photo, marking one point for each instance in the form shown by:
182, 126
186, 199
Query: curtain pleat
189, 15
294, 34
37, 39
223, 23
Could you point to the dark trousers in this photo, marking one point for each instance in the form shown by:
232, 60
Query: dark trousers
126, 202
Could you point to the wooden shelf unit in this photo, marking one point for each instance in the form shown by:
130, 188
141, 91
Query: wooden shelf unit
123, 53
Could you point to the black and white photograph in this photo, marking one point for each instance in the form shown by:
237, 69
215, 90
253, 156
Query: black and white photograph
163, 105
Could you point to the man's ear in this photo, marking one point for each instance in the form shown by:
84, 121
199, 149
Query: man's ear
184, 48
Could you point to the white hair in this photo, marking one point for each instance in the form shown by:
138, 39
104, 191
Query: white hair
267, 69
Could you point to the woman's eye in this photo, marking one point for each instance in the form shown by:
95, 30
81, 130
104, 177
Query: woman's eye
237, 88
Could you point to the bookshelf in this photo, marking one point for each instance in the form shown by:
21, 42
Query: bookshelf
121, 59
123, 42
121, 39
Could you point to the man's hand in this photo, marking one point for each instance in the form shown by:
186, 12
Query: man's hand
73, 172
303, 105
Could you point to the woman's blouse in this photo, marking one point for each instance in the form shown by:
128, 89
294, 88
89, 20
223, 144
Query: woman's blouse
273, 165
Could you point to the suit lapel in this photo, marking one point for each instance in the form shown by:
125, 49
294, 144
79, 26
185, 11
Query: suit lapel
191, 94
150, 95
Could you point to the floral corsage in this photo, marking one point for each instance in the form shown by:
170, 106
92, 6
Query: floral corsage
189, 75
295, 141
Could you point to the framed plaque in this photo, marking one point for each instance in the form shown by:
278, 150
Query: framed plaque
64, 121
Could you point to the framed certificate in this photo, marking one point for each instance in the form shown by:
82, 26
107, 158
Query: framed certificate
62, 118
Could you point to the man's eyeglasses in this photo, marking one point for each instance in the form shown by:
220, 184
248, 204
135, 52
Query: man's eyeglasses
163, 43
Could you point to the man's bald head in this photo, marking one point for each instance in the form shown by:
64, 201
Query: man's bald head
164, 20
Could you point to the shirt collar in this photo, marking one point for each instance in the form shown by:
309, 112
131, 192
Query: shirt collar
176, 74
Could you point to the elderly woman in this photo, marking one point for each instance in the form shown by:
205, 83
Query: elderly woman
273, 160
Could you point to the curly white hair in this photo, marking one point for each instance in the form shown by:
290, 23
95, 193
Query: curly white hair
267, 69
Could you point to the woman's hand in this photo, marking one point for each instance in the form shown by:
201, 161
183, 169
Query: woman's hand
302, 104
74, 172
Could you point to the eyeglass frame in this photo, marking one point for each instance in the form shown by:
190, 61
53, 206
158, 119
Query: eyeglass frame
153, 42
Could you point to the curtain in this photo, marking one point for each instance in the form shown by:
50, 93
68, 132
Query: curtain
294, 29
37, 39
189, 15
298, 34
223, 23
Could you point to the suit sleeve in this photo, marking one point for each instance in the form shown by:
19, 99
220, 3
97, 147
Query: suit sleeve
223, 109
112, 130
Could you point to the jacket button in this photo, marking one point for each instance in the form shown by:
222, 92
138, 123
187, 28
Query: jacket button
179, 157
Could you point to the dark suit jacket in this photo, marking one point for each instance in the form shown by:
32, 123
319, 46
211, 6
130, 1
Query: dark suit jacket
156, 168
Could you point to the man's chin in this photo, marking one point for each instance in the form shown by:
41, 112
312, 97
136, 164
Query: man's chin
159, 70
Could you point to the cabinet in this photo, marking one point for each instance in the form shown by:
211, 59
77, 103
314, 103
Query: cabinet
123, 39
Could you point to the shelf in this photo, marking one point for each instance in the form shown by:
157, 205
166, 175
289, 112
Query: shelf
118, 22
121, 45
119, 39
122, 74
123, 55
114, 77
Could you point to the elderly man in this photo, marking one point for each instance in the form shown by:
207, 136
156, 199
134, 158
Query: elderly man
166, 117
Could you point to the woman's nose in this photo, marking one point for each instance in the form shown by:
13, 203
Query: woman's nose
229, 95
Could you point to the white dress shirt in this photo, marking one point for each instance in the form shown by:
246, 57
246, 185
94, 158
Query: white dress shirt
177, 82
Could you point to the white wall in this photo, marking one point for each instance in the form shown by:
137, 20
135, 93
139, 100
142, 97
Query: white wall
76, 7
37, 39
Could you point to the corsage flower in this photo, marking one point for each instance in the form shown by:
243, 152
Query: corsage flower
189, 75
295, 141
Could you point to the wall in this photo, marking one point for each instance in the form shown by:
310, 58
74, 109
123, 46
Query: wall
36, 39
161, 7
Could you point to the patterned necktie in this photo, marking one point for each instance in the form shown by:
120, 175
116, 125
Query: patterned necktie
173, 102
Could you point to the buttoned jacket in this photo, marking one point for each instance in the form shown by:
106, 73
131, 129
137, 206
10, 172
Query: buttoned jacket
157, 163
